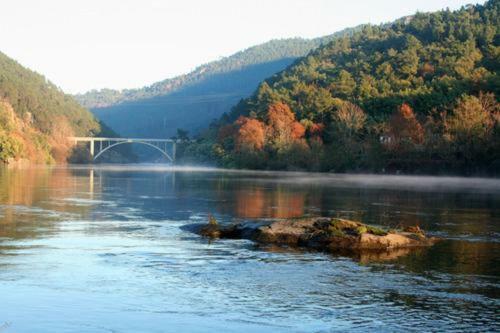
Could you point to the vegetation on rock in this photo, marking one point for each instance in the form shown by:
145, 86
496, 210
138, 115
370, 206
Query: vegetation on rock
321, 233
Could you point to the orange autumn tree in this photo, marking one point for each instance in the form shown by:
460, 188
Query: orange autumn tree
404, 127
251, 134
283, 129
298, 131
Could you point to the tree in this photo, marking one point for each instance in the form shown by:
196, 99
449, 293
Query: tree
226, 135
280, 120
182, 134
344, 135
350, 119
9, 147
344, 84
472, 119
58, 140
472, 131
409, 59
353, 95
251, 134
316, 130
404, 127
298, 131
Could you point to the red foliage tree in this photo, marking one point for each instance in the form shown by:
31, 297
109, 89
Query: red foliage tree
283, 128
251, 134
280, 117
298, 131
404, 126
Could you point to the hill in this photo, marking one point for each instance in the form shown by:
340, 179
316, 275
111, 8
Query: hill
36, 116
420, 94
192, 100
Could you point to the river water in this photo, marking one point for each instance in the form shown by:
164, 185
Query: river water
104, 250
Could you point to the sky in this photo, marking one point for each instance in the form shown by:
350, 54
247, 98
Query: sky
91, 44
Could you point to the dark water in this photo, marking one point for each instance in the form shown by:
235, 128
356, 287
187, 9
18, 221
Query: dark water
104, 251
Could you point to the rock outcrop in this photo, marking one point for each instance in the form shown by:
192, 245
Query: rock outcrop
324, 234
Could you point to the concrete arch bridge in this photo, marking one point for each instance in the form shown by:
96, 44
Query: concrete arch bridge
99, 146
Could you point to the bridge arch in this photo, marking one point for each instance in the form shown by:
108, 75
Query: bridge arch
164, 153
99, 145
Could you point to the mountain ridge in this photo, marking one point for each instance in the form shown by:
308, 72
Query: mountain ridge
419, 94
208, 91
37, 117
276, 48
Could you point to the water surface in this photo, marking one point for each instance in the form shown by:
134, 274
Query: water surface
103, 250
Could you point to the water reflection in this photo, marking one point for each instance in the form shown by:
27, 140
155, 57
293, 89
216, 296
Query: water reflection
32, 199
255, 202
110, 243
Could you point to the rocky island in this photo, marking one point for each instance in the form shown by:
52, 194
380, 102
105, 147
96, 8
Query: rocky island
320, 233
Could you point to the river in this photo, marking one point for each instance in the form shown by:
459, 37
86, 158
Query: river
103, 249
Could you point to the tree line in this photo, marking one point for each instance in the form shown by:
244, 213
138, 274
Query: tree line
417, 95
36, 117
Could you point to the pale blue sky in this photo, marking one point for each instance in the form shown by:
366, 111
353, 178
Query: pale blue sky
86, 44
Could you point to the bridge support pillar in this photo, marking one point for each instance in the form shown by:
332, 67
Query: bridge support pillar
174, 148
92, 148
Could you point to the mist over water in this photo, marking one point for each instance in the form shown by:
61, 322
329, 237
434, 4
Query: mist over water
99, 249
403, 182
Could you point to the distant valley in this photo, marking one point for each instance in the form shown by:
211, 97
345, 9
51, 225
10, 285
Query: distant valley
193, 100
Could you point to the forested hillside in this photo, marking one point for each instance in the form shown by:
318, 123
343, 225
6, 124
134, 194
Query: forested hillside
192, 100
36, 116
418, 95
264, 53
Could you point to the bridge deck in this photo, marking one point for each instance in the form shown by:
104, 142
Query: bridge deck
90, 139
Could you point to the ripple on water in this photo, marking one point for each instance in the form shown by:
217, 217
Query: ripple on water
121, 261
